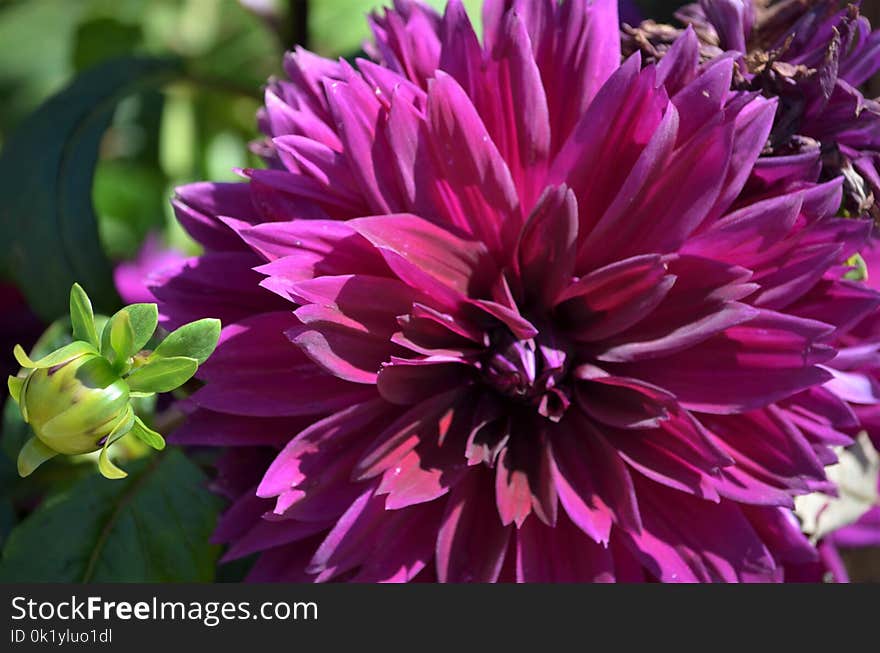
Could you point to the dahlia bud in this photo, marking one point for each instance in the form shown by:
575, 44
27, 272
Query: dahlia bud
77, 399
74, 405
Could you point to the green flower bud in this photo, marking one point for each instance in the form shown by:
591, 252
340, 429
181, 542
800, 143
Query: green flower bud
75, 405
77, 398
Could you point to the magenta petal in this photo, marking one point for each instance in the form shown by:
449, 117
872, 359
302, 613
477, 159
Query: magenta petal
197, 207
218, 285
357, 109
678, 66
347, 544
426, 256
470, 164
405, 382
593, 483
404, 433
340, 345
405, 546
746, 367
471, 543
425, 473
266, 535
562, 554
324, 438
547, 245
207, 428
624, 403
704, 551
615, 297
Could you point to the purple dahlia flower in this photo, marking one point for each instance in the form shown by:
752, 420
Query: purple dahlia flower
510, 310
812, 56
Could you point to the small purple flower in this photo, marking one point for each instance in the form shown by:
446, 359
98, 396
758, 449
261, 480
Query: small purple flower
134, 277
511, 310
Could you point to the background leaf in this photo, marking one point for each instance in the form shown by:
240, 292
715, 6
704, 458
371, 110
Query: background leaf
47, 223
151, 527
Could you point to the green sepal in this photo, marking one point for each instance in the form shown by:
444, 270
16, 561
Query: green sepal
66, 353
144, 318
121, 340
15, 384
147, 435
33, 454
82, 317
105, 465
162, 374
22, 404
107, 468
194, 340
140, 395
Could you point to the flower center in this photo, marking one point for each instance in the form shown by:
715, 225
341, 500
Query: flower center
530, 371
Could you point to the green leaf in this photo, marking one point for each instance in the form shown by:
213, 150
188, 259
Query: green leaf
82, 317
121, 337
194, 340
147, 435
153, 526
162, 374
103, 38
142, 318
49, 236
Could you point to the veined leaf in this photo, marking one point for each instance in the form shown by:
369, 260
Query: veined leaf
143, 319
162, 374
153, 526
47, 223
194, 340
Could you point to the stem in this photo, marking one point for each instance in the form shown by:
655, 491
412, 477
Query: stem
299, 22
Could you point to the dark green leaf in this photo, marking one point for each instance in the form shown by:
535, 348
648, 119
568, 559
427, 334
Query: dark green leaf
153, 526
104, 38
47, 223
162, 374
194, 340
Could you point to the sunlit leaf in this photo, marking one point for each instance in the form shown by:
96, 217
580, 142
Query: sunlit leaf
162, 374
82, 317
194, 340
